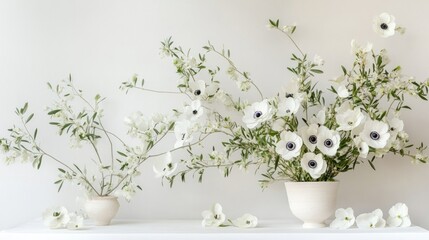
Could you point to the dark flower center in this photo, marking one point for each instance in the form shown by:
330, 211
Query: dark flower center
257, 114
195, 112
289, 95
56, 214
248, 222
392, 129
216, 216
328, 143
374, 135
312, 164
290, 146
384, 26
169, 166
312, 139
197, 92
287, 110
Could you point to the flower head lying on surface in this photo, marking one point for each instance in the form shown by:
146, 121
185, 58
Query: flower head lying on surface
213, 217
246, 221
398, 216
344, 218
371, 220
59, 217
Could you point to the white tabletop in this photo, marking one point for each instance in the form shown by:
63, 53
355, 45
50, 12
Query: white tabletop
191, 229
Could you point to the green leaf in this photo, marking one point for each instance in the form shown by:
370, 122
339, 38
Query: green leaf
29, 118
54, 111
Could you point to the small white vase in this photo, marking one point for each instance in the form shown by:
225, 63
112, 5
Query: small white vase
312, 202
102, 209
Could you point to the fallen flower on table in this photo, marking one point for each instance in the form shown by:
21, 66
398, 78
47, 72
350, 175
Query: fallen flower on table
213, 217
246, 221
59, 217
398, 216
56, 217
344, 218
371, 220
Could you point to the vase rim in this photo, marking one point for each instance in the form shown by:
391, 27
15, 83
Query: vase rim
103, 197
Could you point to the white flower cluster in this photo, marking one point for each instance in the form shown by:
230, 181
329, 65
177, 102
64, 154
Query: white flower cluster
59, 217
398, 217
216, 218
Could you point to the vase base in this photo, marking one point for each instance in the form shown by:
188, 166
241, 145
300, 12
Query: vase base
313, 225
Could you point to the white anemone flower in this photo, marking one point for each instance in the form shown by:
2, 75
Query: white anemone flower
384, 25
182, 131
194, 111
288, 106
349, 119
289, 145
213, 217
362, 147
344, 218
309, 136
76, 222
314, 164
319, 118
165, 167
396, 125
56, 217
375, 133
371, 220
246, 221
342, 91
398, 216
328, 141
257, 113
197, 88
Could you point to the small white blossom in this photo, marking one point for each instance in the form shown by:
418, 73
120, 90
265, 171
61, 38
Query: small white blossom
318, 61
342, 91
288, 106
398, 216
213, 217
344, 218
328, 141
396, 125
384, 25
314, 164
349, 119
257, 113
371, 220
197, 88
246, 221
127, 192
76, 222
320, 117
362, 147
244, 85
375, 133
194, 111
357, 49
182, 131
164, 167
289, 145
56, 217
309, 136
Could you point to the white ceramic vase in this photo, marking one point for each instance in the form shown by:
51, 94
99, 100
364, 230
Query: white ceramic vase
312, 202
102, 209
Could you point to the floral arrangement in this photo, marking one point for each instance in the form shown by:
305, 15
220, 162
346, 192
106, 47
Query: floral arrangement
81, 120
297, 134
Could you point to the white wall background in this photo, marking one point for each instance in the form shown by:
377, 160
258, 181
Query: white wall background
103, 43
